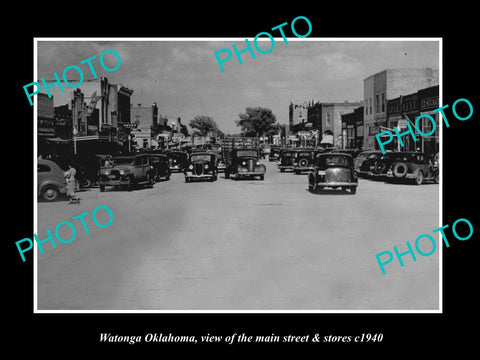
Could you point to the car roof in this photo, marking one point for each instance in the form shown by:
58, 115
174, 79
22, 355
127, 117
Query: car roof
334, 153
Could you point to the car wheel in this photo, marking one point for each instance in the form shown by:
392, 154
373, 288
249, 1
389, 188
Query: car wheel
102, 188
419, 178
86, 183
282, 170
437, 179
49, 193
227, 174
262, 177
353, 190
400, 170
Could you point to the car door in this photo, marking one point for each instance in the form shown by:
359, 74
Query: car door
138, 167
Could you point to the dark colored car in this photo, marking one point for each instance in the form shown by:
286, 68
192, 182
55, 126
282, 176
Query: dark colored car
274, 154
86, 167
287, 156
202, 165
334, 170
50, 180
353, 152
364, 163
244, 163
303, 160
128, 172
161, 166
178, 160
407, 165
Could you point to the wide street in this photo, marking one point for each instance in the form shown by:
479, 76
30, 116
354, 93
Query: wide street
242, 245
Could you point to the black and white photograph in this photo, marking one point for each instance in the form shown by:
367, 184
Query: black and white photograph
224, 179
261, 187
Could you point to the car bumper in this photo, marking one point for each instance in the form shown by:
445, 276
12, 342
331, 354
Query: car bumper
204, 176
114, 182
248, 173
298, 168
390, 175
285, 167
175, 168
334, 184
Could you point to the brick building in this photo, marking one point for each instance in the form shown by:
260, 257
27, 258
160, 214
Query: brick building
386, 85
144, 120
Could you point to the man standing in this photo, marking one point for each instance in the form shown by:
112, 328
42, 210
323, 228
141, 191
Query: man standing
70, 177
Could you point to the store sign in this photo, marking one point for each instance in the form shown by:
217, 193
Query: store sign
429, 103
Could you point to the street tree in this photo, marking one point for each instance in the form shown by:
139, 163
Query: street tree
203, 125
258, 121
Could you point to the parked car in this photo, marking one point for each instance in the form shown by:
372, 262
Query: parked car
353, 152
161, 166
334, 170
201, 165
244, 163
303, 160
407, 165
86, 167
50, 180
128, 172
178, 160
287, 157
364, 163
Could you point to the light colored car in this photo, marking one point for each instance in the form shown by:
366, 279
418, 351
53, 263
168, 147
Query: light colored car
50, 180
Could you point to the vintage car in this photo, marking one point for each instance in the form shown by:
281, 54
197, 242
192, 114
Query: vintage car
161, 166
50, 180
244, 163
333, 170
303, 160
128, 172
407, 165
201, 165
274, 154
87, 167
287, 156
364, 163
178, 160
353, 152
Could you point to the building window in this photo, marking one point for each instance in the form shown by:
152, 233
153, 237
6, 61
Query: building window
377, 103
383, 102
327, 119
370, 104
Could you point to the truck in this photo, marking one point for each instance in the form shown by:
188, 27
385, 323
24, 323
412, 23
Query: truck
241, 156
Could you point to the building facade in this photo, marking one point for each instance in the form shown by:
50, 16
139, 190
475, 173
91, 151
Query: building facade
144, 120
332, 132
386, 85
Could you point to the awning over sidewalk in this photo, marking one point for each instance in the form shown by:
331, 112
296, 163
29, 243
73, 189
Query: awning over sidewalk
58, 140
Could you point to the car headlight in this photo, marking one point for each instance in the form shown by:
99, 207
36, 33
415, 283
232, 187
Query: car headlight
191, 167
122, 172
106, 172
244, 163
206, 166
258, 162
321, 172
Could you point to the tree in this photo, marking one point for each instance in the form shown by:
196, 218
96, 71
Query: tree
203, 125
258, 121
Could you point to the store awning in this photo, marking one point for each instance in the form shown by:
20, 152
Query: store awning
327, 139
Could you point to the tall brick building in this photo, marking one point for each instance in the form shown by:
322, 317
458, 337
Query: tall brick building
386, 85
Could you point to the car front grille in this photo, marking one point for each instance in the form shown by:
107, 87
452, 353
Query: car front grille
198, 169
250, 165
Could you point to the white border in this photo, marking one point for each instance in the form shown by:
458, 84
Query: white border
35, 255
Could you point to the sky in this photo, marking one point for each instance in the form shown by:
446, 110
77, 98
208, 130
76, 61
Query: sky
185, 80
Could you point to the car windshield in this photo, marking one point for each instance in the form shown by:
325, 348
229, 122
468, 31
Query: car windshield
332, 160
123, 160
200, 157
246, 153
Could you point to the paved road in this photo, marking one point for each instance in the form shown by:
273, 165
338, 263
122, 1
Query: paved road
241, 245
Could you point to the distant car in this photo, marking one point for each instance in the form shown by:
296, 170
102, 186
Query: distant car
161, 166
303, 160
178, 160
50, 180
286, 159
128, 172
201, 165
407, 165
364, 163
333, 170
245, 163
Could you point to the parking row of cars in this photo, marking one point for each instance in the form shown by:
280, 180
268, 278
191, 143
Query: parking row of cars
340, 168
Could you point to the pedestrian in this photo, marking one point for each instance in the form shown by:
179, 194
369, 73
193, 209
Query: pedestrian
70, 177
